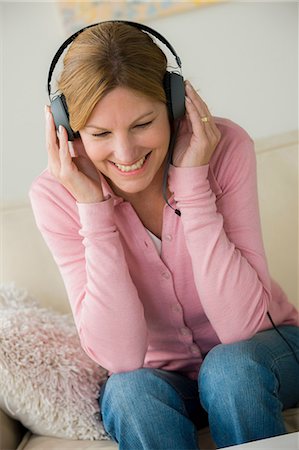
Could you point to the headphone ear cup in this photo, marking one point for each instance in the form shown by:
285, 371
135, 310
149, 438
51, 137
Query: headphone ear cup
175, 94
61, 116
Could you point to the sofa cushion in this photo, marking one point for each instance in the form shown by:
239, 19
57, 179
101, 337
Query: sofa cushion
32, 442
11, 432
47, 382
28, 261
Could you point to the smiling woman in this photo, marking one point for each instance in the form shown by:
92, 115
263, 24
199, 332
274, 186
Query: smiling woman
131, 152
177, 307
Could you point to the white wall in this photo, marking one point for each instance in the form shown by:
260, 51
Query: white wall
31, 34
243, 58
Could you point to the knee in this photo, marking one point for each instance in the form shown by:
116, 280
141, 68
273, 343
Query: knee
231, 368
123, 390
129, 393
122, 402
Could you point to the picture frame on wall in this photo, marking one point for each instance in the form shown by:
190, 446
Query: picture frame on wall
77, 14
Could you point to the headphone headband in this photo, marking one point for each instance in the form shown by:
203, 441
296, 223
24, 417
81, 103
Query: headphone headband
140, 26
173, 83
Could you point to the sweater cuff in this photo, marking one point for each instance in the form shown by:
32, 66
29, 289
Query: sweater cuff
187, 182
96, 216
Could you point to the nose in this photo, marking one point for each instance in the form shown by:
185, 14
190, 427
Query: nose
125, 149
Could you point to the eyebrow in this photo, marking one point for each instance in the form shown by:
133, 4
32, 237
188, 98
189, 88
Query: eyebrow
134, 121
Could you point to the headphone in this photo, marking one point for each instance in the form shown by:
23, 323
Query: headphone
173, 82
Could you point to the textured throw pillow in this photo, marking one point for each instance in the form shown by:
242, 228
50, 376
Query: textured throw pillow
47, 382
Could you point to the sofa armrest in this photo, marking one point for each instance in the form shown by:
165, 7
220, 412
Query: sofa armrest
11, 432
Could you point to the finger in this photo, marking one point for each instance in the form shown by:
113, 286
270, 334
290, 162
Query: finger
203, 111
184, 124
198, 128
213, 135
189, 124
72, 149
64, 152
51, 139
207, 132
197, 100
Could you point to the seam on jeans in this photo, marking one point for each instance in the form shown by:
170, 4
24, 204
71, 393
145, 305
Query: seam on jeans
185, 411
156, 373
288, 352
274, 360
285, 355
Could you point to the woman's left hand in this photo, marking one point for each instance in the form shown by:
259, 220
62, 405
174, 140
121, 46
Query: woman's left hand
198, 135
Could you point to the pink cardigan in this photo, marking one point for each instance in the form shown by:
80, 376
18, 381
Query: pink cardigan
134, 308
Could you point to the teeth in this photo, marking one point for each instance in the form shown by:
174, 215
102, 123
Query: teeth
135, 166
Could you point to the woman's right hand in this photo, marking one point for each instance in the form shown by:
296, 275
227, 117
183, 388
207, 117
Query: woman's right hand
77, 174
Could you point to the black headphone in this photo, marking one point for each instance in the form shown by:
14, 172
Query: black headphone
173, 82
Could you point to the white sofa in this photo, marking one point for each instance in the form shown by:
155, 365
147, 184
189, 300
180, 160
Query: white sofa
27, 262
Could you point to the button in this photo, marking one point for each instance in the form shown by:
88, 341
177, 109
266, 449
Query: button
185, 331
176, 308
168, 237
194, 349
166, 275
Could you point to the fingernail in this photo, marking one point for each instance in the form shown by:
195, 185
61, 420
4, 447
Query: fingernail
47, 112
60, 131
71, 149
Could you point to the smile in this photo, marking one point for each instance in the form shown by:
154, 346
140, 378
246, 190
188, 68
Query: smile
136, 166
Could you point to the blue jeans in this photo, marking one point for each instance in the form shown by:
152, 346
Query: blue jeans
241, 391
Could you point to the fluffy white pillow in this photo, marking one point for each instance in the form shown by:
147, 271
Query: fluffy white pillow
47, 382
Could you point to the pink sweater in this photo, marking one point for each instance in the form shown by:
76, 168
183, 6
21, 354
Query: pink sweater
135, 308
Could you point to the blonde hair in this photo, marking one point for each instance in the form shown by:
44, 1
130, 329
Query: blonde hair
104, 57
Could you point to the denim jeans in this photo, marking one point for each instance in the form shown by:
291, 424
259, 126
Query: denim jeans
241, 390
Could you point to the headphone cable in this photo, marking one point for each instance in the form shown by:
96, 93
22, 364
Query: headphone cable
168, 162
283, 337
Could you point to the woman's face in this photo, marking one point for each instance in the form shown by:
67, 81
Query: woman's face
127, 137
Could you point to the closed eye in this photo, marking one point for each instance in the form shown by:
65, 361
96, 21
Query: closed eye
104, 134
143, 125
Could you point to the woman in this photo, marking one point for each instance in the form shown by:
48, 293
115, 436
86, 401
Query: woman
177, 308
